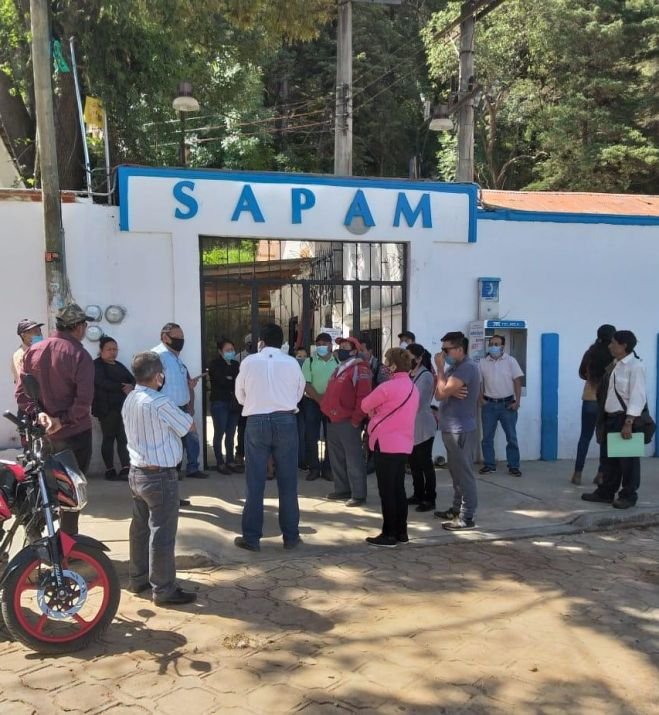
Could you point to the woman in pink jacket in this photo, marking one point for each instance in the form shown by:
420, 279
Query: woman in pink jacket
392, 409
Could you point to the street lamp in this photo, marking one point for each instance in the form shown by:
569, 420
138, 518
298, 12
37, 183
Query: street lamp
183, 103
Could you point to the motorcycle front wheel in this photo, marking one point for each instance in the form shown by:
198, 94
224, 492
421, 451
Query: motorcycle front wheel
51, 619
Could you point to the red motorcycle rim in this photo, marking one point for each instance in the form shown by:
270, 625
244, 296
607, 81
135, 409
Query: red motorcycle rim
36, 629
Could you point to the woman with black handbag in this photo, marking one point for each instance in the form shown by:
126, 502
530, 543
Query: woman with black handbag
623, 402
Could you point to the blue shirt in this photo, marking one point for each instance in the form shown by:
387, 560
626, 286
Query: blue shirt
176, 376
154, 427
460, 415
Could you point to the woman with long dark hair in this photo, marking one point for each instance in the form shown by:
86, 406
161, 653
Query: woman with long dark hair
593, 366
425, 427
225, 410
112, 382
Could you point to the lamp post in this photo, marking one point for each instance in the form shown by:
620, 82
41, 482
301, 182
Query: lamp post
183, 103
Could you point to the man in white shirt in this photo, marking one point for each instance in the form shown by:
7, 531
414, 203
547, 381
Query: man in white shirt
501, 394
154, 428
624, 399
269, 386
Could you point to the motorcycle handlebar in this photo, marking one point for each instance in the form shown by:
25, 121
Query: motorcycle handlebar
12, 418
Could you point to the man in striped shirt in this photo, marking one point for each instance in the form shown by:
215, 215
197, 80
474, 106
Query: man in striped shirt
154, 428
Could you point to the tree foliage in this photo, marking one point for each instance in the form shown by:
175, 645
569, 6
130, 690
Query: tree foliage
568, 100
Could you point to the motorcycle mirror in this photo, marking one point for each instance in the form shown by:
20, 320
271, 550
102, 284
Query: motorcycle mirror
31, 387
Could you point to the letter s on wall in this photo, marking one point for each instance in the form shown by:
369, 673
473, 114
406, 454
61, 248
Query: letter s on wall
188, 201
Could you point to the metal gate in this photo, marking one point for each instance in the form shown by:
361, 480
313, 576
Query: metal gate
307, 287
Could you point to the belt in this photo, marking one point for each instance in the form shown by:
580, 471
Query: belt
615, 414
511, 398
154, 468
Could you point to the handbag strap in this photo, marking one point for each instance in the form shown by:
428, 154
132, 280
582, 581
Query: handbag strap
622, 402
373, 428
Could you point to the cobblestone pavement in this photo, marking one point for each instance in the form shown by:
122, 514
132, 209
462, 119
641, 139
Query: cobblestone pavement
562, 625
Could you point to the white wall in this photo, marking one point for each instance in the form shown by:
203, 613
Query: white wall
564, 278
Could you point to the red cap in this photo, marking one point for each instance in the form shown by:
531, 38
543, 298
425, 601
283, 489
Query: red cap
353, 341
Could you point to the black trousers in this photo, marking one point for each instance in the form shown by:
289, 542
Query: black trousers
423, 471
622, 473
112, 427
240, 443
390, 471
81, 446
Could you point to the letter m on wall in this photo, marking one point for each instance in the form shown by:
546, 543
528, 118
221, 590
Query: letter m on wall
410, 215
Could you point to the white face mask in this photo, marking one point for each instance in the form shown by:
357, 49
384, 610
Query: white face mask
404, 344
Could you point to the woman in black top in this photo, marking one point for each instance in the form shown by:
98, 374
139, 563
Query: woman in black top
112, 382
225, 409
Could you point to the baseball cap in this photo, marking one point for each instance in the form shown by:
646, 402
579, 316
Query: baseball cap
25, 325
407, 334
325, 337
353, 341
72, 314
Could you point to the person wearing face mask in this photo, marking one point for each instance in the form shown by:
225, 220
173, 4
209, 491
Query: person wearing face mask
154, 428
225, 409
317, 371
406, 338
341, 404
501, 394
392, 409
180, 389
458, 383
29, 331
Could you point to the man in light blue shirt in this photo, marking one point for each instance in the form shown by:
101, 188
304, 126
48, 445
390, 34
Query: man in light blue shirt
154, 428
178, 387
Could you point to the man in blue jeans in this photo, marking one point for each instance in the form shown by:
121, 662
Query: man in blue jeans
269, 386
501, 394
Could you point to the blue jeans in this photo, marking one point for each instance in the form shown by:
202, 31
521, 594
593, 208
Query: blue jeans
153, 529
272, 435
192, 450
491, 414
225, 421
313, 419
589, 412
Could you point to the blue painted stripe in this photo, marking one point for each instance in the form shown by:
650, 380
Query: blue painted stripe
267, 177
549, 397
656, 408
558, 217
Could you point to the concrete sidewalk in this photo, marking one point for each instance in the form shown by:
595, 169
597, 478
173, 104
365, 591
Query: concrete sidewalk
541, 503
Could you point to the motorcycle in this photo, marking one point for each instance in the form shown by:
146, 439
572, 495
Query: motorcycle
59, 593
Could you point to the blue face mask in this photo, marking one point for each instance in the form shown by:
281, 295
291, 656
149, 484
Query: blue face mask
322, 350
344, 355
230, 355
36, 339
300, 361
495, 350
449, 360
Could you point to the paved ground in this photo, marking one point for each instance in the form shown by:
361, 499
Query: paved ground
449, 624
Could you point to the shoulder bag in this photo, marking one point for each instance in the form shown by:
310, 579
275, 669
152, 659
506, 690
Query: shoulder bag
643, 423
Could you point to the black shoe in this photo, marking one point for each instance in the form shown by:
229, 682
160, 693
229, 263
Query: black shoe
237, 468
327, 476
387, 541
224, 469
459, 524
487, 470
178, 598
514, 472
139, 587
425, 506
448, 514
313, 475
402, 538
289, 545
242, 544
623, 503
123, 473
303, 467
355, 502
197, 475
414, 500
184, 502
596, 497
111, 475
338, 496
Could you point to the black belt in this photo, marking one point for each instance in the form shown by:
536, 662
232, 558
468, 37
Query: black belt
511, 398
153, 468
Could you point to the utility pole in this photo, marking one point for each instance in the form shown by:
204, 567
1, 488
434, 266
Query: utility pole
465, 167
57, 285
343, 113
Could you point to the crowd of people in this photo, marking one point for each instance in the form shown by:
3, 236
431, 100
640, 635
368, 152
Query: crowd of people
272, 410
